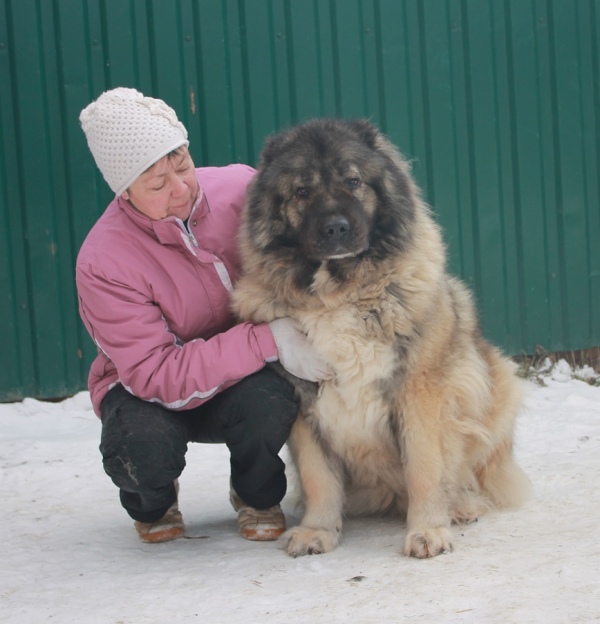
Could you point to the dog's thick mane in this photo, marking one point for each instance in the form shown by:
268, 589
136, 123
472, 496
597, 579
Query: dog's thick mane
268, 247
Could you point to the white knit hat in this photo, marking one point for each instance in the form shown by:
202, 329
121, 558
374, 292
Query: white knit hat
128, 132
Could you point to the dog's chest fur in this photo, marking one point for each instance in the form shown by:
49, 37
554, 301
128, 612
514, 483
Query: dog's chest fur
354, 410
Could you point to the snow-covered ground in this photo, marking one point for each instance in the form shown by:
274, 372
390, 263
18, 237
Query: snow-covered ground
69, 554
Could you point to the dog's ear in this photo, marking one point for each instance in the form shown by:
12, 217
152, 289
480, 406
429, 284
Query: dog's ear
270, 148
275, 143
365, 131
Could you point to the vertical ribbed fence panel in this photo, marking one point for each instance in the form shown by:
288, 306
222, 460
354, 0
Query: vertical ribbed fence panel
496, 103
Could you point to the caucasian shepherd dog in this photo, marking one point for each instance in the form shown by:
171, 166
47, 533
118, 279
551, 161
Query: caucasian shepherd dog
419, 415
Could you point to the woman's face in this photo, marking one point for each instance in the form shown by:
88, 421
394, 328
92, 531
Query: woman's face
167, 189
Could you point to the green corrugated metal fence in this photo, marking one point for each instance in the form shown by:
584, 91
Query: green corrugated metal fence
496, 101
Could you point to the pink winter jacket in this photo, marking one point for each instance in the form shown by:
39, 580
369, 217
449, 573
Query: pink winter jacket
155, 299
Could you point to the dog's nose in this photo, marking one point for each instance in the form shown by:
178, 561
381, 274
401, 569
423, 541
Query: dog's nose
336, 227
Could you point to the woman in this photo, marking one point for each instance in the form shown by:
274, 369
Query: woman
153, 277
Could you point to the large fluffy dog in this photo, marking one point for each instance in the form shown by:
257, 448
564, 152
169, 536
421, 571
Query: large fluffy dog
420, 413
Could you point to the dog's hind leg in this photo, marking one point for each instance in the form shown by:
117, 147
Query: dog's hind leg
320, 528
501, 480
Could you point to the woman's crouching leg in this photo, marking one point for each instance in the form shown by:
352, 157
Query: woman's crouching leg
143, 447
255, 417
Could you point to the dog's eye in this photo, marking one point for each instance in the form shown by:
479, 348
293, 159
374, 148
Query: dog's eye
353, 183
302, 192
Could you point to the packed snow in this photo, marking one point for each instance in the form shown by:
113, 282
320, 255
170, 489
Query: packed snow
70, 554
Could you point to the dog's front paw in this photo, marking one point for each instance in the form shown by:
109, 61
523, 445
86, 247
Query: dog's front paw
306, 541
428, 543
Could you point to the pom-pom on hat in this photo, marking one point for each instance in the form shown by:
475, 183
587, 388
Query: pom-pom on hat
128, 132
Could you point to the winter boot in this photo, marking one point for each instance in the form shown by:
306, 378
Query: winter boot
259, 525
169, 527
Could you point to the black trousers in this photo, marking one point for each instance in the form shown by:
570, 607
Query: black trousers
143, 444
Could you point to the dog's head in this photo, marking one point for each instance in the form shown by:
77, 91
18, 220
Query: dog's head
331, 189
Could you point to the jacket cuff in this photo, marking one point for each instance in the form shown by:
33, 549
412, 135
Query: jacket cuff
266, 342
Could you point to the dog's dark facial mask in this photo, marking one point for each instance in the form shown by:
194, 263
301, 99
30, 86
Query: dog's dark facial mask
333, 214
